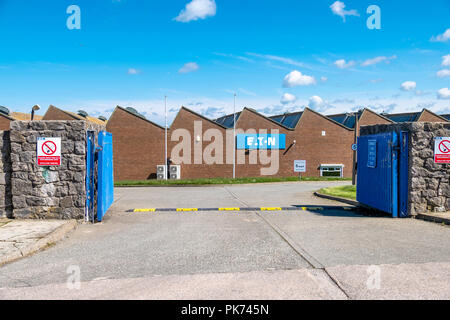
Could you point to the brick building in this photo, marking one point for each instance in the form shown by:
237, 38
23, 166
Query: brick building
138, 145
323, 141
54, 113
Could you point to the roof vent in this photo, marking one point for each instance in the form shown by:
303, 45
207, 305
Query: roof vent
82, 113
102, 118
132, 110
4, 110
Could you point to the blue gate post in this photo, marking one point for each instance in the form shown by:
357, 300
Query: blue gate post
404, 175
90, 179
105, 193
394, 146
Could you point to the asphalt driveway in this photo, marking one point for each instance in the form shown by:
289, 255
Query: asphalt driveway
323, 254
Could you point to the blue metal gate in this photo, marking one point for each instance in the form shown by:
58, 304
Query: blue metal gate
383, 172
105, 174
99, 176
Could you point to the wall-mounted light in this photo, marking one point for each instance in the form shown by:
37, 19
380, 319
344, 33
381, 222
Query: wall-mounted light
295, 142
198, 139
33, 110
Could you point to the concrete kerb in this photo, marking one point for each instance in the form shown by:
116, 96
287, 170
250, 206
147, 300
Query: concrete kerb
44, 242
437, 218
339, 199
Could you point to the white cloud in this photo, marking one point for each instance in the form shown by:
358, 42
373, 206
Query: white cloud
342, 64
443, 73
288, 98
316, 103
376, 60
338, 8
197, 9
133, 71
296, 78
446, 61
408, 86
442, 37
444, 93
288, 61
189, 67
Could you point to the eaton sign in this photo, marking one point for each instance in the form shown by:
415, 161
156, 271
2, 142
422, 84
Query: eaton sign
261, 141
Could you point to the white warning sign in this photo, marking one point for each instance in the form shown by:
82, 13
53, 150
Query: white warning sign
49, 151
442, 150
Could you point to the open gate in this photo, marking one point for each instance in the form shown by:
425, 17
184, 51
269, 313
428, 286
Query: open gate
99, 175
383, 172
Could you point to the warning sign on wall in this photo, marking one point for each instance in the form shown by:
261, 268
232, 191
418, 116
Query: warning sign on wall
49, 151
442, 150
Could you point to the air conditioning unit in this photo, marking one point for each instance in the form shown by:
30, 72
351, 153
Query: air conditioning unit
175, 172
161, 172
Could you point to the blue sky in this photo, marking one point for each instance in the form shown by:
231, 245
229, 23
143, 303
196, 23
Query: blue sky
277, 56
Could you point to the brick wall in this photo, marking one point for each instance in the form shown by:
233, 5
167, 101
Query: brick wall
138, 146
4, 123
186, 120
427, 116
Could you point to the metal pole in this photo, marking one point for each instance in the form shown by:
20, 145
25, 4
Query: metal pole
165, 130
354, 152
234, 138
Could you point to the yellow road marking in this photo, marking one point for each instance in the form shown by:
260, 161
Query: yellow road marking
271, 209
229, 209
144, 210
186, 209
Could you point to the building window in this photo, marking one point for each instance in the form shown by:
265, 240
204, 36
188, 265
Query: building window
332, 170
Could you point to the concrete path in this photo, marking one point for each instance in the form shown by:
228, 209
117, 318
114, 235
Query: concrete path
328, 254
21, 238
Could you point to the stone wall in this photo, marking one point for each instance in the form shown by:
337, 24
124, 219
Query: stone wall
5, 176
429, 183
57, 192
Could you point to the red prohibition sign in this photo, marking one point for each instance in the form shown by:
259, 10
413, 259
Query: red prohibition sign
49, 148
444, 146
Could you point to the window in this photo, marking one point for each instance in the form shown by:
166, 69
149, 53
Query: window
333, 170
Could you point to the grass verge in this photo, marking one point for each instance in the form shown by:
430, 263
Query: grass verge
212, 181
348, 192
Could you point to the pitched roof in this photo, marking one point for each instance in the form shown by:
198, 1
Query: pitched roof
76, 116
20, 116
203, 117
267, 118
431, 112
446, 116
137, 115
289, 120
404, 117
228, 120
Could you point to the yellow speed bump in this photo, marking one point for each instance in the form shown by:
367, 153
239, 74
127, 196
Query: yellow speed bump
271, 209
144, 210
229, 209
187, 209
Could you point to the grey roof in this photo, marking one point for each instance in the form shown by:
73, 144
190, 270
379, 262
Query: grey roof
289, 120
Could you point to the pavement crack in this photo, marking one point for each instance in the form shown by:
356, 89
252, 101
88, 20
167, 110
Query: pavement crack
313, 262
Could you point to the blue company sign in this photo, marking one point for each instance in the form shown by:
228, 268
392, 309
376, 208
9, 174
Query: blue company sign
372, 154
261, 141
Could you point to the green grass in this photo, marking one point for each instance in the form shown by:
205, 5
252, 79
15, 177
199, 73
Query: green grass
212, 181
348, 192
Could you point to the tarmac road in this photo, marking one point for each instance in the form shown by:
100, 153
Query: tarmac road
326, 254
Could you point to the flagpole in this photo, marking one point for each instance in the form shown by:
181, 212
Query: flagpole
234, 138
166, 164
